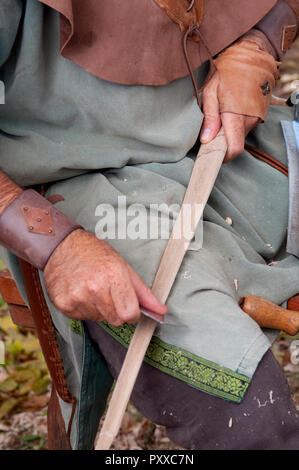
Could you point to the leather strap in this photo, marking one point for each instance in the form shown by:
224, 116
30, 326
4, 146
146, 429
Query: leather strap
267, 159
57, 438
46, 334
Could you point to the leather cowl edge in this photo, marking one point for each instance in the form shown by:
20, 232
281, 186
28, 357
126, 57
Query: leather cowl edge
136, 43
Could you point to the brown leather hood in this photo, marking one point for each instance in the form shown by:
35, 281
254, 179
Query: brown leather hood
134, 42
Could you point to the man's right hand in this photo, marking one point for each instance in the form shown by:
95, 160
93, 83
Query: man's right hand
86, 279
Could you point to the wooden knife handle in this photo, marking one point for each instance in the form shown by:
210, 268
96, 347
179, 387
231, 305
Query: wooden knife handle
269, 315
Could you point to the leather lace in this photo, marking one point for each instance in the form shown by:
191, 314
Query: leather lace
257, 153
195, 28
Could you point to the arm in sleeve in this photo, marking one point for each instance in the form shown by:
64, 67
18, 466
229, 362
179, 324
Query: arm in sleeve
30, 226
280, 26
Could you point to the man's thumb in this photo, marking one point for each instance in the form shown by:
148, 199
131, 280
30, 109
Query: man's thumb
212, 119
210, 129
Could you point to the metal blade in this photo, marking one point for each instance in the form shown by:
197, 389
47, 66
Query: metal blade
152, 315
291, 135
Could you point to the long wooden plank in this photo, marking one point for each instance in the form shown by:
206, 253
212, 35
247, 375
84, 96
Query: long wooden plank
204, 174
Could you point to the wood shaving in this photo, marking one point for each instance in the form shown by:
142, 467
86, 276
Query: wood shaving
186, 275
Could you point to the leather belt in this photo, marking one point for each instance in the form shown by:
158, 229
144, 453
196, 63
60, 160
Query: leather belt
46, 334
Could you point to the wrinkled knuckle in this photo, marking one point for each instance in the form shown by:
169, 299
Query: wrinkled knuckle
131, 316
92, 287
211, 116
133, 320
64, 305
115, 272
117, 322
76, 295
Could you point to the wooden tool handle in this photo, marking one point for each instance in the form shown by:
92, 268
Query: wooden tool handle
269, 315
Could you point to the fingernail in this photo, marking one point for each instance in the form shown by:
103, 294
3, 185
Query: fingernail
206, 134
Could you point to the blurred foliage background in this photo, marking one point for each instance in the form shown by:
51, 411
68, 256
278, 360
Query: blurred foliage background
24, 387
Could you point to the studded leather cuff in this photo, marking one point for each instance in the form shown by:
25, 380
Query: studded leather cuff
31, 228
280, 26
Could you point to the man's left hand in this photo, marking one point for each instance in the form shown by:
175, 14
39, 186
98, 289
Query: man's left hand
236, 126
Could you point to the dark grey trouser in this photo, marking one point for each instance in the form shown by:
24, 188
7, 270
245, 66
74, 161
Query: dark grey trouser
265, 420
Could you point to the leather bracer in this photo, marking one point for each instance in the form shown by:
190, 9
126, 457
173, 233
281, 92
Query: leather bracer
31, 228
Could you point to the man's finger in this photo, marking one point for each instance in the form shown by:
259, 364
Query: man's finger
145, 296
212, 120
79, 314
99, 304
234, 129
125, 301
90, 310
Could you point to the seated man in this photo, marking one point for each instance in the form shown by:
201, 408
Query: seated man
100, 110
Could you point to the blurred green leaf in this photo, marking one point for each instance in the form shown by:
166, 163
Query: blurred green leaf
32, 437
34, 364
3, 305
25, 375
12, 350
2, 265
6, 324
24, 389
33, 441
7, 406
41, 386
8, 385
